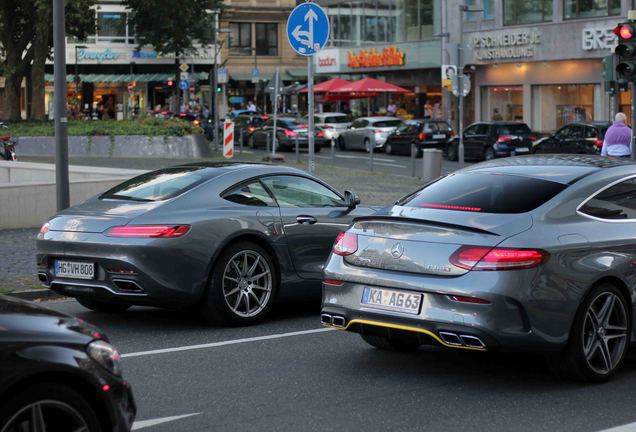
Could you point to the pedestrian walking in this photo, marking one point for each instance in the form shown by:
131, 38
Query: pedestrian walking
618, 138
496, 116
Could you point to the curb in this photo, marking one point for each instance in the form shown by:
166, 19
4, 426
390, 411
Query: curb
36, 294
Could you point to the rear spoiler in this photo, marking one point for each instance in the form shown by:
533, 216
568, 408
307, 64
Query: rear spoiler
421, 222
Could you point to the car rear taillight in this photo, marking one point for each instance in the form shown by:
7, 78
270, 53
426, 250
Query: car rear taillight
504, 138
486, 258
377, 131
450, 207
346, 244
45, 228
290, 133
463, 299
154, 231
598, 142
320, 134
333, 282
422, 136
326, 127
251, 128
532, 137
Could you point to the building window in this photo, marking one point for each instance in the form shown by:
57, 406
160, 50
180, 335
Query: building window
111, 27
267, 39
240, 40
489, 9
471, 16
527, 11
418, 19
573, 9
502, 103
556, 105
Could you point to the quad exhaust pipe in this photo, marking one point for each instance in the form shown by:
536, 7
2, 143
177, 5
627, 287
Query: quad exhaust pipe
332, 320
455, 339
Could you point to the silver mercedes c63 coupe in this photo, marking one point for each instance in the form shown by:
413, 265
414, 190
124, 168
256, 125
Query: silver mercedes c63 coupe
528, 253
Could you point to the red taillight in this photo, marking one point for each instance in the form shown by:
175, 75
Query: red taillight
5, 137
320, 134
450, 207
473, 300
45, 228
333, 282
532, 137
422, 136
346, 244
326, 127
155, 231
377, 131
486, 258
504, 138
251, 128
598, 142
290, 133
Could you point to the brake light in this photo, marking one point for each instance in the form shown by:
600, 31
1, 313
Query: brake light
290, 133
504, 138
532, 137
154, 231
45, 228
473, 300
422, 136
5, 137
450, 207
320, 134
598, 142
251, 128
346, 244
326, 127
333, 282
182, 114
486, 258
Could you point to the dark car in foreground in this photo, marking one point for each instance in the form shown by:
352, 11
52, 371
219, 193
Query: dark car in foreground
419, 133
219, 237
288, 132
574, 138
489, 140
58, 373
532, 253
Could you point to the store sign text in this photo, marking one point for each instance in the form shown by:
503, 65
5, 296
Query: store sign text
144, 55
598, 38
99, 56
390, 56
506, 45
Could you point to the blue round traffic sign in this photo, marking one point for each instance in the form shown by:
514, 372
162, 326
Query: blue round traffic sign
184, 84
307, 29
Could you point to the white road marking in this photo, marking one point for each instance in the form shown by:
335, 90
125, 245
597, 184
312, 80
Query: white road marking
224, 343
630, 427
153, 422
389, 164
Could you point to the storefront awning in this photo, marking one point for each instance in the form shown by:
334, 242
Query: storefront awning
125, 78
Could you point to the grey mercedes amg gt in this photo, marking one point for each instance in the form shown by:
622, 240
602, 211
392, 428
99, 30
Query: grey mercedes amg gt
220, 237
528, 253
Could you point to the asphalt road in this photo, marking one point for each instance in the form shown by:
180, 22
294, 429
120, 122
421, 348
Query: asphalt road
289, 374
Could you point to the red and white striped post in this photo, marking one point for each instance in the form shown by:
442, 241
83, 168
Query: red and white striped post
228, 139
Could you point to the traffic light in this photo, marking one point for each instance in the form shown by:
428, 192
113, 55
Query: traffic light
170, 83
626, 51
219, 89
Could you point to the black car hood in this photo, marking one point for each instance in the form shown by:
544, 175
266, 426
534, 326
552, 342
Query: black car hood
30, 321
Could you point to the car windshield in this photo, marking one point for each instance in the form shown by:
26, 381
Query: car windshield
387, 123
157, 185
514, 129
484, 192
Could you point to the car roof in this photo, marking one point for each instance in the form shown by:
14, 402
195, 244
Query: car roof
597, 123
559, 168
213, 169
331, 114
377, 118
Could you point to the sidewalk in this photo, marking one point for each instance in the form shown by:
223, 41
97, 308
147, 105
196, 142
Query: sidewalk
17, 247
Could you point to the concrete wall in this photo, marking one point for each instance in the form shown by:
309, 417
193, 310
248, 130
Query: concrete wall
27, 190
189, 147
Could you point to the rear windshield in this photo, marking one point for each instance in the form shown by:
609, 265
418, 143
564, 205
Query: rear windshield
387, 123
443, 126
514, 129
157, 185
337, 119
484, 192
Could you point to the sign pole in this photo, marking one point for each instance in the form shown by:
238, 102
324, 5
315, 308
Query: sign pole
276, 78
310, 112
61, 125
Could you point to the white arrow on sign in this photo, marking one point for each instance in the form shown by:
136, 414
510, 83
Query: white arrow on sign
311, 17
297, 33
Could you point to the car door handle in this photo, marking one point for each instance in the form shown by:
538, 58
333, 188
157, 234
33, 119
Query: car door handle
306, 220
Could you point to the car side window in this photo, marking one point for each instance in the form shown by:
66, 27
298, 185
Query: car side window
356, 124
616, 202
591, 132
576, 132
472, 130
296, 191
564, 132
429, 128
250, 194
482, 129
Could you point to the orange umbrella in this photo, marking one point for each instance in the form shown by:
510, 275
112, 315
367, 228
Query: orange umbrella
325, 87
369, 85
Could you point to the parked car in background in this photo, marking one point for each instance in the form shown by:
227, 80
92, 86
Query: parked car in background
367, 131
245, 124
58, 373
574, 138
489, 140
421, 133
530, 253
332, 123
288, 131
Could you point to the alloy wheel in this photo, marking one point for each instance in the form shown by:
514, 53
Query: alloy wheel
605, 332
247, 283
46, 415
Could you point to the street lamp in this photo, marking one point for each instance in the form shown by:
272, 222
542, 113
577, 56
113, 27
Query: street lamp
217, 30
77, 78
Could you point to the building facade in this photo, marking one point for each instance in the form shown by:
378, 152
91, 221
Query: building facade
538, 61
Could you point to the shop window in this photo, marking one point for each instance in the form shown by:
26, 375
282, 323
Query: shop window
527, 11
573, 9
111, 26
240, 40
267, 39
502, 103
556, 105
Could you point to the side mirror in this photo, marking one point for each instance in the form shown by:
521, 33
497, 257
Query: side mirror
351, 199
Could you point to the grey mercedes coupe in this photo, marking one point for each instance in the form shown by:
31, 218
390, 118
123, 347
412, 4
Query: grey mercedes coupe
527, 253
219, 237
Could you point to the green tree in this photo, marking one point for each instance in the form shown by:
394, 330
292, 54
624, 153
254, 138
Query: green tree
26, 35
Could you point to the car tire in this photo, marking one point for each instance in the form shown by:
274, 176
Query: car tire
392, 343
231, 303
367, 145
586, 354
103, 306
388, 149
341, 143
489, 153
452, 153
61, 407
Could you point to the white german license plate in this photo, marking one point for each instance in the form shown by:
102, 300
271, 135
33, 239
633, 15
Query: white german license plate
522, 149
392, 300
439, 136
74, 269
